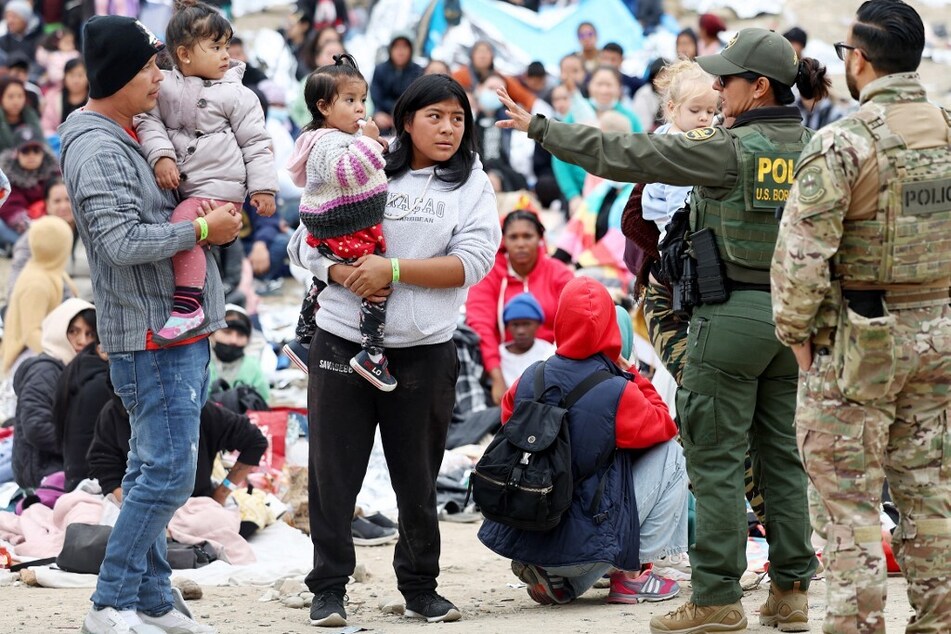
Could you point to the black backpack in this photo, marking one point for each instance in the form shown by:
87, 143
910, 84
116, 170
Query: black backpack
523, 479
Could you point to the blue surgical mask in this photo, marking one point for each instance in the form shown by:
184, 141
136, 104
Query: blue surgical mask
489, 102
600, 108
279, 114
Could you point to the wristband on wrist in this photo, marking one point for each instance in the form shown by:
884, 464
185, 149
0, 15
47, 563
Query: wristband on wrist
203, 229
395, 263
228, 484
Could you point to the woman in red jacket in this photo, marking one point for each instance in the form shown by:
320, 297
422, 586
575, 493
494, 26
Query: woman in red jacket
522, 266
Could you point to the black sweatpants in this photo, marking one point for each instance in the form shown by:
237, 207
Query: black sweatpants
343, 412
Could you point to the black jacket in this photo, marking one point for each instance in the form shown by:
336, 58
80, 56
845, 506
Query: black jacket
36, 452
221, 430
82, 392
389, 82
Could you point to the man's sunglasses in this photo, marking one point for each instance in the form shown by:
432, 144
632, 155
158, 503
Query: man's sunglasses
842, 47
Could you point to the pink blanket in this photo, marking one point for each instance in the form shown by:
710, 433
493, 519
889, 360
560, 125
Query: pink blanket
39, 531
203, 519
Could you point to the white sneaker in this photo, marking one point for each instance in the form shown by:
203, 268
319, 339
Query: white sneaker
175, 622
113, 621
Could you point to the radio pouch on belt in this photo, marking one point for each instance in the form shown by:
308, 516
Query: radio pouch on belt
711, 280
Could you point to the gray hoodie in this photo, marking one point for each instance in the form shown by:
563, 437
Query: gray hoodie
424, 218
123, 219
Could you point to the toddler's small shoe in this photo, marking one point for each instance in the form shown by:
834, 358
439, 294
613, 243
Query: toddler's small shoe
297, 353
180, 326
375, 373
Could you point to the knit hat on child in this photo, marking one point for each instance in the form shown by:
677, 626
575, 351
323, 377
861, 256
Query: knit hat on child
523, 306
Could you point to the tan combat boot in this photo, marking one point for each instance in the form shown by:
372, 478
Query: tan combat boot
786, 609
701, 619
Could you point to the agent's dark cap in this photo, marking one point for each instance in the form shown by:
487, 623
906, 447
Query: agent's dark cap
115, 48
759, 51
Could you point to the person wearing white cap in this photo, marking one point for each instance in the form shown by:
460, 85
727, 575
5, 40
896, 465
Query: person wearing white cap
24, 29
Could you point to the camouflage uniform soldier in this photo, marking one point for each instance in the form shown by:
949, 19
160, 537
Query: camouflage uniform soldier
860, 280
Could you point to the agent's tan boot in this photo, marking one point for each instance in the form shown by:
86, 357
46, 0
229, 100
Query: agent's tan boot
786, 609
701, 619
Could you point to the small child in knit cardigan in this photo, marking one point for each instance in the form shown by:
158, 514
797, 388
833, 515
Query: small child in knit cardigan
339, 162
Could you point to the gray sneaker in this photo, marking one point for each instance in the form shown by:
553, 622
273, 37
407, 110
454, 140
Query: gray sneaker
176, 622
113, 621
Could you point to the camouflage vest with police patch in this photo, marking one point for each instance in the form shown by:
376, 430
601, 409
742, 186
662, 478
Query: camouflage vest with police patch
744, 221
909, 241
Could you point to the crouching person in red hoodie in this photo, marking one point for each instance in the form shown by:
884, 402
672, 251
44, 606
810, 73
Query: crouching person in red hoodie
642, 513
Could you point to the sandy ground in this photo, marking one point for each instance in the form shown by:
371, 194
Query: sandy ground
479, 582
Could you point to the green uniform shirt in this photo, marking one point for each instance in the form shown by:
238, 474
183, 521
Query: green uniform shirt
702, 157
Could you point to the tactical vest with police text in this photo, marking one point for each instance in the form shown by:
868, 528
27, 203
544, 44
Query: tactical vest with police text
909, 240
744, 221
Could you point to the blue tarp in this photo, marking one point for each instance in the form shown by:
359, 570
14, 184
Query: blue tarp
545, 36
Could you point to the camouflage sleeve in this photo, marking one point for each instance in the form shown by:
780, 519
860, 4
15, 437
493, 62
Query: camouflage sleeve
811, 229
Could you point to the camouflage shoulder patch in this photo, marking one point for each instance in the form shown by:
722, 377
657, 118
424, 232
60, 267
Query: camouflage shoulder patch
700, 134
811, 184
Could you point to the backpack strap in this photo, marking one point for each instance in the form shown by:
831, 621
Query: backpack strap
584, 387
539, 385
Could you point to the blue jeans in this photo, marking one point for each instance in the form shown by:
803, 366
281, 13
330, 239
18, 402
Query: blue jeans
163, 391
8, 235
660, 487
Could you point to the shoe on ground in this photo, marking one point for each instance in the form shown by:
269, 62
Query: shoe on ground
180, 326
366, 533
112, 621
696, 619
432, 607
297, 353
647, 586
327, 609
375, 373
175, 622
382, 521
787, 610
541, 587
178, 597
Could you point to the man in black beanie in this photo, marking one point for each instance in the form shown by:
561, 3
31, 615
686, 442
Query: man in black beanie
123, 218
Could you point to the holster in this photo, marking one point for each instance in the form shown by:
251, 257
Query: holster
711, 279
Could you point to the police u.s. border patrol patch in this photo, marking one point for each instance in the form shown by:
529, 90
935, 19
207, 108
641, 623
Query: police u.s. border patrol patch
700, 134
811, 185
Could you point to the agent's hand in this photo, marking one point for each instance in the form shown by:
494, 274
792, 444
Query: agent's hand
224, 224
264, 203
166, 173
372, 273
803, 352
520, 117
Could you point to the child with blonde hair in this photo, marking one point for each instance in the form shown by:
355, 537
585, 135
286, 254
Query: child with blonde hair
689, 102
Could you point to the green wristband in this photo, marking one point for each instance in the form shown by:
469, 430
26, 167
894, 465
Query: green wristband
203, 228
395, 263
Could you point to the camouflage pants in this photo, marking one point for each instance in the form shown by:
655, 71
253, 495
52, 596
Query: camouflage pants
848, 448
668, 336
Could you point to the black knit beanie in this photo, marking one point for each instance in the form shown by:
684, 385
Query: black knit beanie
115, 48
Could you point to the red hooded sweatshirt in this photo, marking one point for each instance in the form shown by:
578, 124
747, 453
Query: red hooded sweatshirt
585, 325
488, 298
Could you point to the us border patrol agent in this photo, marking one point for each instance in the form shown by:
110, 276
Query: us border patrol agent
860, 280
739, 382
